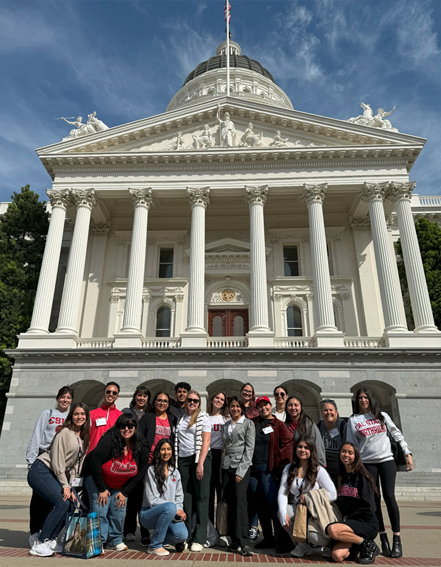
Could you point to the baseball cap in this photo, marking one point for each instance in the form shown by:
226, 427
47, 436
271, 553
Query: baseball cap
262, 399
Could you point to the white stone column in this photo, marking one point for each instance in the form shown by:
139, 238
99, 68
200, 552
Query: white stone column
256, 199
142, 199
400, 194
49, 268
373, 195
199, 200
70, 302
314, 196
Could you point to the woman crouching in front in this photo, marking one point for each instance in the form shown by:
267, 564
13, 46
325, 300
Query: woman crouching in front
356, 502
162, 507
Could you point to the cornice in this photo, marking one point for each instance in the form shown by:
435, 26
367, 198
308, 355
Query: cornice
231, 159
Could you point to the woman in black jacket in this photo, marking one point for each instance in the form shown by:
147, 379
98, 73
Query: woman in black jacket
116, 465
356, 502
158, 423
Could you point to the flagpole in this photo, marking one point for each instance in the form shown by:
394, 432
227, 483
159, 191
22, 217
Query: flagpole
227, 17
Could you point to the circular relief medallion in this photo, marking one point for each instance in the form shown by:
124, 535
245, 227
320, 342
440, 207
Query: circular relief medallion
228, 295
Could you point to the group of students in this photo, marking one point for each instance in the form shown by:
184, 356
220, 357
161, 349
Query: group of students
167, 463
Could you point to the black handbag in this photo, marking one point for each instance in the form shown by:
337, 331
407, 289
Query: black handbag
398, 453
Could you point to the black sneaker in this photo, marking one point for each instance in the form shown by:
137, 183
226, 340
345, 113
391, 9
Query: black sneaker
145, 541
234, 546
254, 533
180, 547
266, 543
246, 551
368, 552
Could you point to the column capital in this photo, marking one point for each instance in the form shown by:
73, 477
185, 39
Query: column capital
314, 193
256, 195
83, 198
374, 192
59, 199
142, 197
401, 191
199, 196
100, 227
359, 223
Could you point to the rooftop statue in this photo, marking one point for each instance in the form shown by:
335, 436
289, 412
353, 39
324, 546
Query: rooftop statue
278, 141
204, 140
377, 121
250, 138
92, 126
227, 131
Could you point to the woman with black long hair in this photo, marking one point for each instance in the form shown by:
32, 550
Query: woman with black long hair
163, 503
301, 476
368, 429
117, 464
140, 403
54, 472
300, 424
356, 502
218, 414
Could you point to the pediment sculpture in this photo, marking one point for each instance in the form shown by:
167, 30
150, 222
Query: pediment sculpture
377, 121
250, 138
92, 126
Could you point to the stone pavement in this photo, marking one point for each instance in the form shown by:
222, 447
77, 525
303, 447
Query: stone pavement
421, 535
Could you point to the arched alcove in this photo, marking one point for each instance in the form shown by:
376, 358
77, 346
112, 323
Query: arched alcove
309, 393
89, 392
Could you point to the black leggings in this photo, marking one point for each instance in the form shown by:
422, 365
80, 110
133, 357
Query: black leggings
387, 472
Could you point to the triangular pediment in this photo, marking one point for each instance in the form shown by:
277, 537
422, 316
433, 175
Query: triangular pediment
227, 246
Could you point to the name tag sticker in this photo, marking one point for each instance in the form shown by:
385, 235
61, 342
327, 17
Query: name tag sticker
100, 421
333, 433
77, 482
267, 429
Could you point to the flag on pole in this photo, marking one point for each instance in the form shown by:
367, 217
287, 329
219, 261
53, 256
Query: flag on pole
227, 11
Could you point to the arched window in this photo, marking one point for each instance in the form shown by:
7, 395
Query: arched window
294, 327
163, 321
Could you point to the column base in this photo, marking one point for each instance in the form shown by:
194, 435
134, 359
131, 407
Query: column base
36, 331
128, 340
425, 329
51, 340
192, 339
412, 340
260, 338
328, 339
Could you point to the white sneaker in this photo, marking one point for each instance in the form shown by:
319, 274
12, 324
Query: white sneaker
41, 549
196, 547
55, 546
33, 538
301, 549
130, 537
120, 547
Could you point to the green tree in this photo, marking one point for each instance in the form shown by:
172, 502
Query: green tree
429, 238
23, 230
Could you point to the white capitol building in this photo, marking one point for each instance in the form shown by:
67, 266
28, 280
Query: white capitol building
232, 239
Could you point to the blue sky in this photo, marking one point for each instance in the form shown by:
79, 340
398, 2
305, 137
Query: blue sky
126, 59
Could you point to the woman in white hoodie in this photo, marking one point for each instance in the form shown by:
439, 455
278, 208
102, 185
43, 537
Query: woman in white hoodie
368, 429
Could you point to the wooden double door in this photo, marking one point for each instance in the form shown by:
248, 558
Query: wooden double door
227, 322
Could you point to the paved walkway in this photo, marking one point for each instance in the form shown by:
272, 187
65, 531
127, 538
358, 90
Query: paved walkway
421, 535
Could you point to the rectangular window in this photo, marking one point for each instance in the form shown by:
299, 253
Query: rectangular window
166, 263
290, 261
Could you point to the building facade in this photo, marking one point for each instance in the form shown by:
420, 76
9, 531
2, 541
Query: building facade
232, 239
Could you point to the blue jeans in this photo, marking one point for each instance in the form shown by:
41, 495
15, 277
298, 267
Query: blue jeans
111, 518
159, 518
44, 482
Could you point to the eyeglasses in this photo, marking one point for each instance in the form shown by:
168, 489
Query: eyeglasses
111, 393
279, 394
192, 400
162, 401
129, 426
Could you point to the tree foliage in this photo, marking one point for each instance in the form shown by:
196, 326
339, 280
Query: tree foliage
429, 238
23, 230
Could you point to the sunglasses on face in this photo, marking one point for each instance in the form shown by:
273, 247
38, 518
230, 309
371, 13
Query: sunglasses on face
192, 400
129, 426
279, 395
111, 393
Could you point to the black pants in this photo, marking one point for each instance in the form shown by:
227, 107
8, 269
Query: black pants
387, 472
39, 510
215, 481
134, 503
196, 495
235, 495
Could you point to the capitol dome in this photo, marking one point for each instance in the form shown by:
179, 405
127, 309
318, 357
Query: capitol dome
248, 79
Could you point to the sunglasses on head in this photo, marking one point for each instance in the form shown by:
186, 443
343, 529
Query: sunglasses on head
192, 400
127, 426
111, 393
